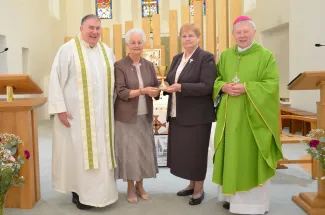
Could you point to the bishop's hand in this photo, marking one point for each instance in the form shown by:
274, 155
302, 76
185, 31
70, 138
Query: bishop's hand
238, 89
64, 118
233, 89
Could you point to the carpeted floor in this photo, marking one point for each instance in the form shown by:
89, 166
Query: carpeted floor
164, 201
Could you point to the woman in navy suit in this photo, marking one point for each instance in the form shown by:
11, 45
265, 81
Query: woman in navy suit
190, 112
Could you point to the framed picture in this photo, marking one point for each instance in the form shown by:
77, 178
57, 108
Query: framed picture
153, 55
161, 143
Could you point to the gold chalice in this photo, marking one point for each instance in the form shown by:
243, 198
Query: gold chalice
162, 71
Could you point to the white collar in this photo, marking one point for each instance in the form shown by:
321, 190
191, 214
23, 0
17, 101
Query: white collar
84, 43
244, 49
184, 59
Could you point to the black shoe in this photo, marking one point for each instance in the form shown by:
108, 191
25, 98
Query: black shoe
83, 207
185, 192
196, 201
226, 205
75, 198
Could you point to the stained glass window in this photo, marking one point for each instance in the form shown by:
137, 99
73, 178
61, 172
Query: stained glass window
191, 2
104, 9
149, 7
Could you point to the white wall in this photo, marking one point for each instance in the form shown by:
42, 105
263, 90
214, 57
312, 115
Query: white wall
34, 29
269, 14
249, 5
305, 21
3, 56
277, 40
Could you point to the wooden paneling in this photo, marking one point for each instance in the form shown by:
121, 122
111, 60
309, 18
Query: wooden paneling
117, 36
106, 36
211, 42
146, 29
198, 19
128, 26
156, 29
236, 10
223, 30
173, 34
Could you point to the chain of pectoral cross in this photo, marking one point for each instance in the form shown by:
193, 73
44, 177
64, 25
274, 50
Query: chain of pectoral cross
236, 79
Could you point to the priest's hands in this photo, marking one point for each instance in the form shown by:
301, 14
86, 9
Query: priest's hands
64, 118
151, 91
234, 89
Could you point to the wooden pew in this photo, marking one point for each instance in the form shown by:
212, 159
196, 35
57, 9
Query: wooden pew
288, 138
296, 125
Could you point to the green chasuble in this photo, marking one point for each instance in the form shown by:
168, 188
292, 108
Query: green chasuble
247, 137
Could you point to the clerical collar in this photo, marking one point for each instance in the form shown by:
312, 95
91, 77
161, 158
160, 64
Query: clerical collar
244, 49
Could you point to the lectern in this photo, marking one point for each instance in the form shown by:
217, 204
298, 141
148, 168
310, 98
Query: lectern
19, 117
313, 203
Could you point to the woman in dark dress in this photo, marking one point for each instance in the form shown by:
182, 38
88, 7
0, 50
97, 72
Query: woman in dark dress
190, 112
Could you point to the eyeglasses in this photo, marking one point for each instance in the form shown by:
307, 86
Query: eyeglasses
191, 36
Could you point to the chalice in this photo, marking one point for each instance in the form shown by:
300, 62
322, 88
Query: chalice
162, 70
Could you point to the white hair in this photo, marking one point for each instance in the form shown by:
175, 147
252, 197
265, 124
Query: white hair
244, 22
134, 31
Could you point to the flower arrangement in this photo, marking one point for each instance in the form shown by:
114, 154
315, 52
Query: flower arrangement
10, 164
316, 143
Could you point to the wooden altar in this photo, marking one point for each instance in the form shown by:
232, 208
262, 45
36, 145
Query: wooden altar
19, 117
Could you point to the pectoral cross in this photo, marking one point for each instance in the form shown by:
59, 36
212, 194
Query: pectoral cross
236, 79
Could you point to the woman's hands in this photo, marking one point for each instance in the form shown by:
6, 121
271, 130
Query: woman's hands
173, 88
150, 91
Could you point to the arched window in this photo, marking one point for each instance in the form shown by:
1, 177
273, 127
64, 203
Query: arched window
149, 7
191, 3
104, 9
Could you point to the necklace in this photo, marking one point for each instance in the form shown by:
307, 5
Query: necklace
236, 79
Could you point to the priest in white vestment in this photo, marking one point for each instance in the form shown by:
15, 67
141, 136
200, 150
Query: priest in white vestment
81, 98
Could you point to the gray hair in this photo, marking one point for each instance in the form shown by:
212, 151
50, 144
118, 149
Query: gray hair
134, 31
89, 16
244, 22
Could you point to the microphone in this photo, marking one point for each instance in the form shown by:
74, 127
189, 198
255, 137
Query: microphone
6, 49
318, 45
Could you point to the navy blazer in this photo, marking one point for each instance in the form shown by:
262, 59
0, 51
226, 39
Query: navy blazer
194, 103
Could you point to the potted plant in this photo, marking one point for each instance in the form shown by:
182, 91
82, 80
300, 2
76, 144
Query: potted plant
316, 143
10, 164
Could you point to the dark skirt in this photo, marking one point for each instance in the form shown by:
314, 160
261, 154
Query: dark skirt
188, 150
